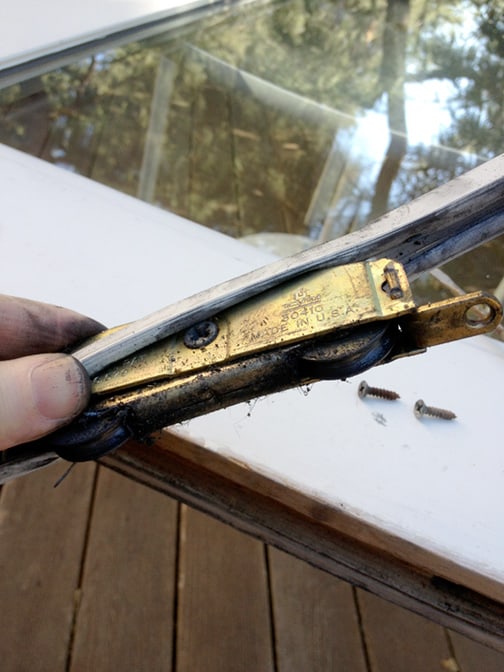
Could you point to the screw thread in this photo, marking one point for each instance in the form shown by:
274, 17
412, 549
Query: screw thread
382, 393
366, 390
440, 413
422, 409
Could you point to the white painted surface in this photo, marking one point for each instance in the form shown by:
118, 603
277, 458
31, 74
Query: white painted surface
437, 484
30, 29
67, 240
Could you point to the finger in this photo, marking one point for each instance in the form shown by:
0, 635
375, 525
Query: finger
38, 394
28, 327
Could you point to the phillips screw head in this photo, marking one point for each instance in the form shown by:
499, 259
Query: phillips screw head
201, 334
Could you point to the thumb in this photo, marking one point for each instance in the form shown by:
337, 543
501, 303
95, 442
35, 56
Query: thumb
38, 394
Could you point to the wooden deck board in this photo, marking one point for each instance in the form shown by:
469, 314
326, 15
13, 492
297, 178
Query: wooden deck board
42, 535
473, 657
398, 640
238, 608
223, 608
315, 619
125, 619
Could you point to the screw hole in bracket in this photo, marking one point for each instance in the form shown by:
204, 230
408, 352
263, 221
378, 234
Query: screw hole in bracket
479, 315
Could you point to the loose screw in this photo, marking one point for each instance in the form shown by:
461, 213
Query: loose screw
422, 409
366, 390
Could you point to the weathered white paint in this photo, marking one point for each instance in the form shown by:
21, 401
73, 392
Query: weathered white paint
67, 240
29, 30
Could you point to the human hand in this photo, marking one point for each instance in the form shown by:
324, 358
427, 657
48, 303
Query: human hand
39, 392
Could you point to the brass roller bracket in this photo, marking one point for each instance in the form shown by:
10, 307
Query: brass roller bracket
304, 309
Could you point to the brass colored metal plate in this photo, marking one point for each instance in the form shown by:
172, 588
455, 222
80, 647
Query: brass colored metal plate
307, 307
453, 319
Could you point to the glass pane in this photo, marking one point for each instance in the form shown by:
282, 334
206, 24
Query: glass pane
289, 122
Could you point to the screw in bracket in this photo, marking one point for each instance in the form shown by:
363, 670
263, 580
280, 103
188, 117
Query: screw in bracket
201, 334
392, 285
421, 409
366, 390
